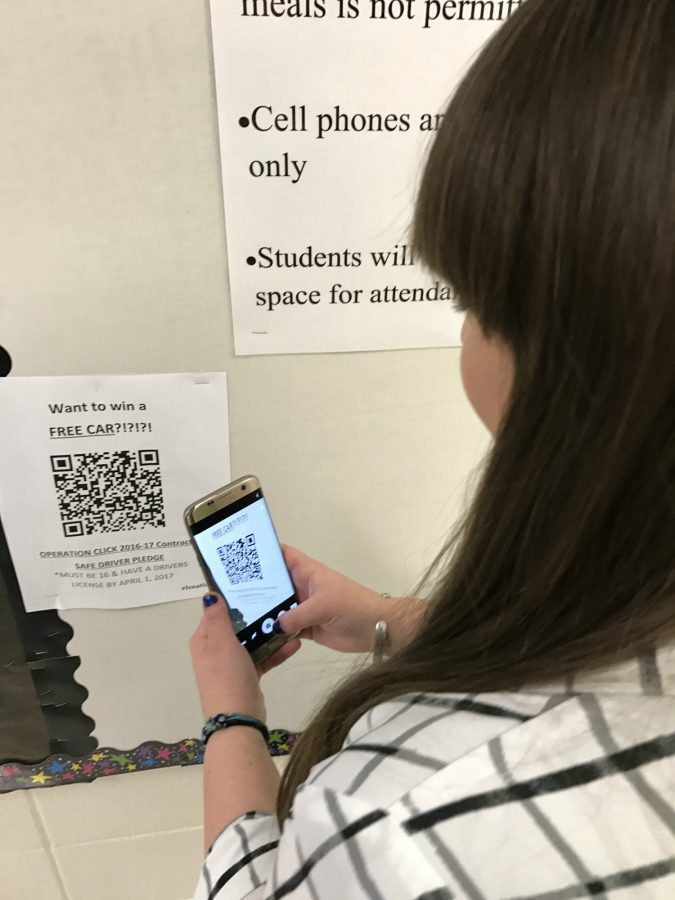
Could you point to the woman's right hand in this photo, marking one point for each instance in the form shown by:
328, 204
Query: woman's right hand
341, 614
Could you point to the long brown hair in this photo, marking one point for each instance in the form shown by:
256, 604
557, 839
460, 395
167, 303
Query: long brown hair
548, 204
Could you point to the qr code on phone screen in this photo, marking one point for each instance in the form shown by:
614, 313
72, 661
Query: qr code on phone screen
97, 493
241, 560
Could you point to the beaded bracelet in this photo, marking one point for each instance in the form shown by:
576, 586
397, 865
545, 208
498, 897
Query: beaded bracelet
220, 721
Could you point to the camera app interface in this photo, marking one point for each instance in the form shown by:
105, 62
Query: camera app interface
241, 550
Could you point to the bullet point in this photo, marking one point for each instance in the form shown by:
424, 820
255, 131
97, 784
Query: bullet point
251, 260
244, 122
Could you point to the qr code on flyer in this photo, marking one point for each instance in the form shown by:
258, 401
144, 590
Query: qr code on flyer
119, 490
241, 560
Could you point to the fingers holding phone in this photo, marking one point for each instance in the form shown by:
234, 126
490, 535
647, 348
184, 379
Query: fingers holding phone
275, 594
340, 613
333, 610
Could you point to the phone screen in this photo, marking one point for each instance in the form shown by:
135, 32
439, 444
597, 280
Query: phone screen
240, 548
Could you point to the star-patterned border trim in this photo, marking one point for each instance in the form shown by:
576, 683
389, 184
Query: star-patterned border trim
59, 770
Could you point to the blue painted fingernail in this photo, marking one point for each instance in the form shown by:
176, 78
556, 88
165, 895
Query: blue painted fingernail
276, 628
210, 599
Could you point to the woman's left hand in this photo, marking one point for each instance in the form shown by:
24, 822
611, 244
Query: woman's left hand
227, 679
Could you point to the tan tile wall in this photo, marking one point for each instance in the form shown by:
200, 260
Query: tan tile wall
132, 836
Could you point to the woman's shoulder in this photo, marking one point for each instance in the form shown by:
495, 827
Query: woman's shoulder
392, 720
582, 793
411, 740
557, 792
401, 742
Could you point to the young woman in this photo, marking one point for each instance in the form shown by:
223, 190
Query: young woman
519, 739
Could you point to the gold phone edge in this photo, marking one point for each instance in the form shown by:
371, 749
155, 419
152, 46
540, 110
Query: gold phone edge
206, 506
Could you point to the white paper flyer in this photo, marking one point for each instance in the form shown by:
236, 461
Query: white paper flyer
95, 473
325, 110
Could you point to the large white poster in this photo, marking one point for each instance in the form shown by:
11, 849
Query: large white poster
325, 108
95, 473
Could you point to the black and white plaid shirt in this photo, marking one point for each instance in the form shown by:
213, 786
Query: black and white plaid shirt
548, 794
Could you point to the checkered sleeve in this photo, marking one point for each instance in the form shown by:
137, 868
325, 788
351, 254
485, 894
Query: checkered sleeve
240, 861
333, 846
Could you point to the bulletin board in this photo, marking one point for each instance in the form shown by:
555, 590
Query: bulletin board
114, 261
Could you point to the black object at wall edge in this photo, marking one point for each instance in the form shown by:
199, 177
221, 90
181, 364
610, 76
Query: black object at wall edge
44, 637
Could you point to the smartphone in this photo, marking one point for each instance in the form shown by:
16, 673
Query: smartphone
237, 547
